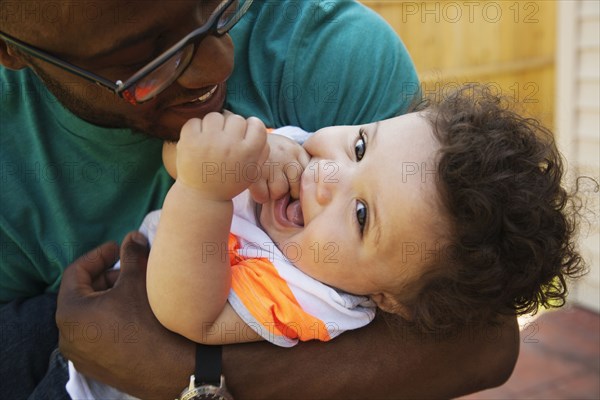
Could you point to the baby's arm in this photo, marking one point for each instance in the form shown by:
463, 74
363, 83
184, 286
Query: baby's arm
228, 328
188, 269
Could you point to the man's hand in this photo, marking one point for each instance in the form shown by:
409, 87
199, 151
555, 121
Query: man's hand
109, 331
282, 171
220, 154
112, 336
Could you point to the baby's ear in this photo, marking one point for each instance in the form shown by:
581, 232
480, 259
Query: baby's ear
390, 304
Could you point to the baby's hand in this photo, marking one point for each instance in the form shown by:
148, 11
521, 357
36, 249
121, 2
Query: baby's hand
282, 171
214, 154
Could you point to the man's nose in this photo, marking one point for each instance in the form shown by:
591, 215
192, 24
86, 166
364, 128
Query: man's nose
212, 63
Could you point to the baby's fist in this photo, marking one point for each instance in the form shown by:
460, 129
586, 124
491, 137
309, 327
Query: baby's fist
214, 154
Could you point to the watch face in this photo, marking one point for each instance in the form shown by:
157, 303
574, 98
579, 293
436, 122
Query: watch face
205, 396
207, 392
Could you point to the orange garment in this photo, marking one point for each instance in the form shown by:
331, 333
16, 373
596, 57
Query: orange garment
270, 301
275, 298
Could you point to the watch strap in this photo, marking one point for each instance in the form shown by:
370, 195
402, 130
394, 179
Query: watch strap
208, 364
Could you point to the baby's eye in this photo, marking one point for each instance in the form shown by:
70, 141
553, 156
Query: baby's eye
360, 147
361, 215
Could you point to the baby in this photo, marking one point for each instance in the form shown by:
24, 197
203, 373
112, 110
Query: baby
445, 217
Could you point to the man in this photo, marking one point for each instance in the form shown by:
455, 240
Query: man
74, 176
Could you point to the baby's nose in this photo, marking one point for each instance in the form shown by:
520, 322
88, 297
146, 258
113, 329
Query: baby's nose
327, 178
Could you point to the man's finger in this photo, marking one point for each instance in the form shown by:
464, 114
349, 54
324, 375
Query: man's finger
111, 277
134, 255
79, 277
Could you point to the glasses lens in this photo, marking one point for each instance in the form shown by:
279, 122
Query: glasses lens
232, 15
154, 83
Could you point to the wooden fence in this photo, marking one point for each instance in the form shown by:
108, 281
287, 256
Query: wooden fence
507, 44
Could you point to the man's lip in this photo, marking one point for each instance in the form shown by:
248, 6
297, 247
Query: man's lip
198, 107
194, 97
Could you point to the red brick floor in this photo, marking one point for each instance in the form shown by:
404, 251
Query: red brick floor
559, 359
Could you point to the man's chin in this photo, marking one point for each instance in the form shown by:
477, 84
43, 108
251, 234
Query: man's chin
167, 133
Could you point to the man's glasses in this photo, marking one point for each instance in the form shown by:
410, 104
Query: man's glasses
156, 76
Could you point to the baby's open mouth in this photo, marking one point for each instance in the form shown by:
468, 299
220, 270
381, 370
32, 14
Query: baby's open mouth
294, 212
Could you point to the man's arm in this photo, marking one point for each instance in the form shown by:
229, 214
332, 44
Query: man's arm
372, 362
375, 362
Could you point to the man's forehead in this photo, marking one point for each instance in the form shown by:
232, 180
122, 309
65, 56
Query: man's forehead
87, 27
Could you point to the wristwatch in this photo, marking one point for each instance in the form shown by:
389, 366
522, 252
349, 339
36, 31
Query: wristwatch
207, 383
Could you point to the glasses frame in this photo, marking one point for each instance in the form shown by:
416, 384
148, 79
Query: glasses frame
121, 88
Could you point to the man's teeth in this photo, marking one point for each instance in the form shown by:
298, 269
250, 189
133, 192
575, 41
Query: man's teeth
207, 95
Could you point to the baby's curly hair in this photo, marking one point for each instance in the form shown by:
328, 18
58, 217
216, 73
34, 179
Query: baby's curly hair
510, 246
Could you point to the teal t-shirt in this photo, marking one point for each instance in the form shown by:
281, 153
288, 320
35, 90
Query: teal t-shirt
67, 186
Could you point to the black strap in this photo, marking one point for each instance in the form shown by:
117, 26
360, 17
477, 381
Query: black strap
208, 365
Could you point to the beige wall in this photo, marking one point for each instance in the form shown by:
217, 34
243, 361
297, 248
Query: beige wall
578, 124
508, 44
